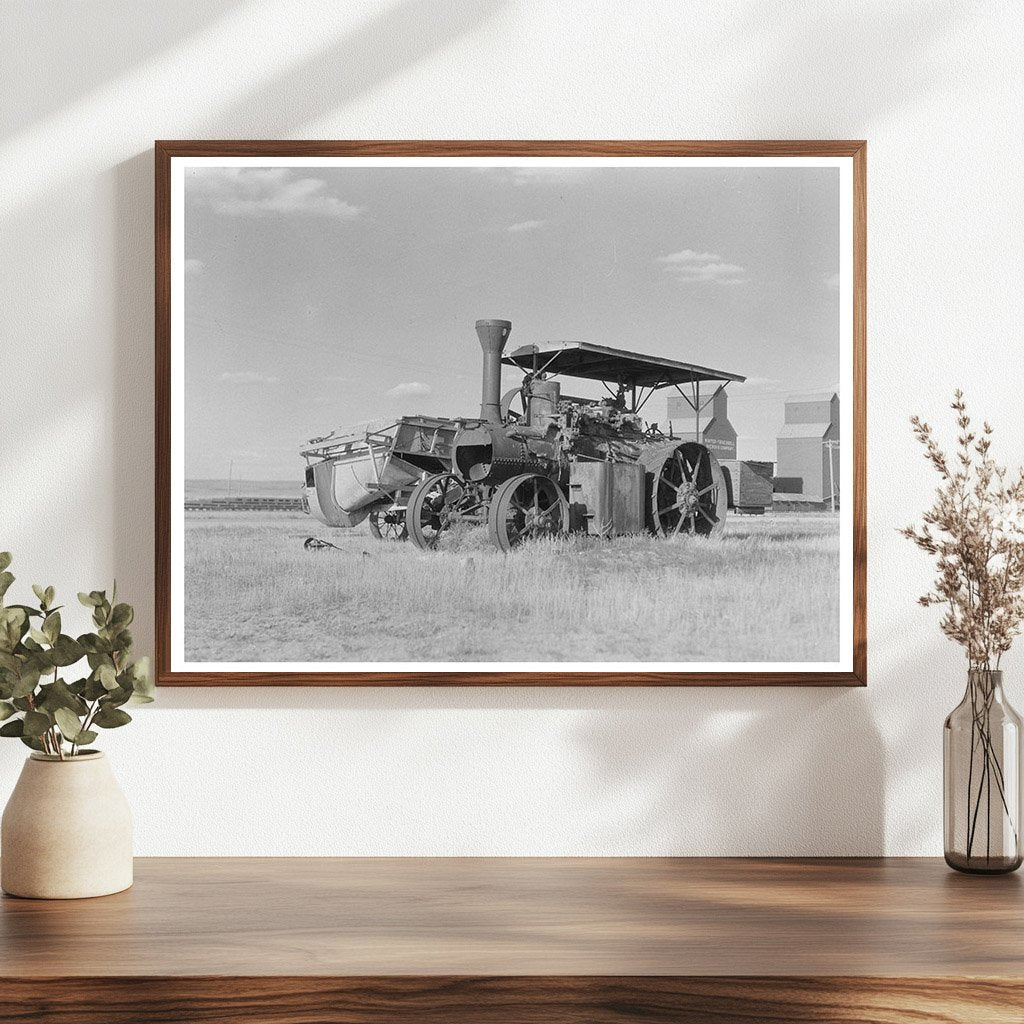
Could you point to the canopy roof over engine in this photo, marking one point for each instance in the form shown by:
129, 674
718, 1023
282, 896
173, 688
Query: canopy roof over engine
597, 362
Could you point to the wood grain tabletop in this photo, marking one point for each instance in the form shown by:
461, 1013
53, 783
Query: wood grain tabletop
518, 916
499, 941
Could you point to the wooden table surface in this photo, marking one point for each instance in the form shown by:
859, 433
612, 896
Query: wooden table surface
524, 939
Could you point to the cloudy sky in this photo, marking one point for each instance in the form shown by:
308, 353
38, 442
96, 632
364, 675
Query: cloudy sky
318, 297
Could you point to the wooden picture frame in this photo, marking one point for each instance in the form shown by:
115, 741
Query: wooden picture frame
849, 157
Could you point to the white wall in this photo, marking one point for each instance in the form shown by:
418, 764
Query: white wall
935, 87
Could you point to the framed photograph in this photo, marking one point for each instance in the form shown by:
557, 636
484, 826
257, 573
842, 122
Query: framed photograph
493, 413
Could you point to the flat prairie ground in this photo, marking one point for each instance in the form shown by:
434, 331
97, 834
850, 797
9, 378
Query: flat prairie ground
766, 590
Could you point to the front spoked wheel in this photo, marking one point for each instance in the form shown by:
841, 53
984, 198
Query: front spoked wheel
440, 503
527, 507
389, 523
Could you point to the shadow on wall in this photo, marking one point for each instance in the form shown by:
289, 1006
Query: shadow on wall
132, 412
58, 39
393, 40
729, 771
850, 44
924, 682
690, 771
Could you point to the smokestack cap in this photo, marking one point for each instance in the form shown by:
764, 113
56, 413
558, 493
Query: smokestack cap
492, 335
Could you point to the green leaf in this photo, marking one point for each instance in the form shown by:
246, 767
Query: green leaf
27, 681
69, 724
28, 610
89, 600
141, 669
13, 615
115, 698
40, 592
5, 560
111, 718
67, 651
6, 579
107, 676
12, 627
38, 635
122, 616
14, 728
94, 689
36, 723
95, 646
31, 741
6, 710
50, 595
142, 681
51, 626
59, 695
86, 736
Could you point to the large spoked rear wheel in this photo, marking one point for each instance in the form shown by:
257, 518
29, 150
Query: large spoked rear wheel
440, 502
527, 507
686, 491
389, 523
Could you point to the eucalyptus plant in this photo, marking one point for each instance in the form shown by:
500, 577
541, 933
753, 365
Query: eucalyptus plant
37, 704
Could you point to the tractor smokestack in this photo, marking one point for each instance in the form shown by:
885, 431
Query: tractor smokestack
492, 334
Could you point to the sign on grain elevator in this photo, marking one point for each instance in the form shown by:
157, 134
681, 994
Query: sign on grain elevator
712, 429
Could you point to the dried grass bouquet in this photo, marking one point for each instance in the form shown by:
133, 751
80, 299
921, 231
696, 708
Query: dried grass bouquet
975, 530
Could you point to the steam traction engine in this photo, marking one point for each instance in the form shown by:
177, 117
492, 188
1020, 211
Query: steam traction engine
559, 464
535, 463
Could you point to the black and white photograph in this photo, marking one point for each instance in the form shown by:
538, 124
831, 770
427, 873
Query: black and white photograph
511, 414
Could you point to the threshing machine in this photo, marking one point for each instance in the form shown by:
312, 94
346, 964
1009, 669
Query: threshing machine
370, 470
535, 462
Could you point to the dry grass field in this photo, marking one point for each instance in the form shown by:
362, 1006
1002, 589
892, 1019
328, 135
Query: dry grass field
768, 590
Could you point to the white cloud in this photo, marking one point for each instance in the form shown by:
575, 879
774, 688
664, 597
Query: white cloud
686, 257
194, 267
411, 389
689, 265
247, 377
260, 191
831, 281
526, 225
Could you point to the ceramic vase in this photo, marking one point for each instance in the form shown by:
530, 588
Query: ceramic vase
66, 831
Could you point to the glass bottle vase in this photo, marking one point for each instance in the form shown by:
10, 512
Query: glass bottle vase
981, 771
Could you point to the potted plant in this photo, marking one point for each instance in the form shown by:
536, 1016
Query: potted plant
975, 531
66, 831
